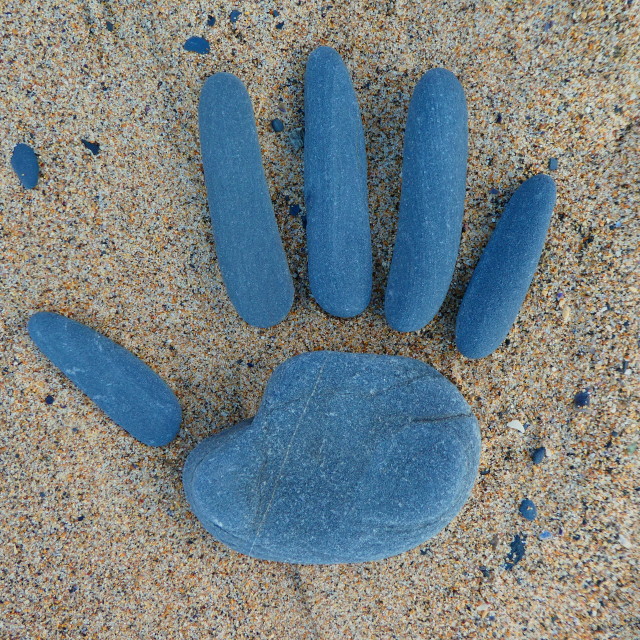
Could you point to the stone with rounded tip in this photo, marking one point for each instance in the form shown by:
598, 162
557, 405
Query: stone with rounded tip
350, 458
432, 202
25, 163
125, 388
248, 244
335, 188
501, 279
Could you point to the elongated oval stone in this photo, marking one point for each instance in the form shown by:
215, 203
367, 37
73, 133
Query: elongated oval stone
125, 388
431, 204
351, 457
335, 188
25, 163
248, 244
502, 277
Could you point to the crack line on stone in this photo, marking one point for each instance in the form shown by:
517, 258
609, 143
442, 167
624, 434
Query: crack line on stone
285, 457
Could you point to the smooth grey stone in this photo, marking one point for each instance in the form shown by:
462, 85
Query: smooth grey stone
434, 173
335, 188
350, 458
502, 277
25, 163
248, 244
125, 388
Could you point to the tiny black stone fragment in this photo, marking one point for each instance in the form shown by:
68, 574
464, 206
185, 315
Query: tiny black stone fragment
277, 125
553, 164
109, 26
49, 399
234, 15
280, 25
94, 147
538, 455
294, 209
499, 118
582, 399
211, 21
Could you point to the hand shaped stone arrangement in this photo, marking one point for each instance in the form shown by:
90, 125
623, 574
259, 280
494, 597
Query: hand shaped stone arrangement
351, 457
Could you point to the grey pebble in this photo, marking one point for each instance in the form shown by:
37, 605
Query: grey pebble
432, 202
351, 457
528, 509
248, 244
538, 455
24, 162
582, 399
197, 44
335, 188
502, 277
553, 164
125, 388
277, 125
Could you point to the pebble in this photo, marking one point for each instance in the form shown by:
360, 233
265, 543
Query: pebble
248, 244
335, 188
545, 535
280, 25
296, 138
125, 388
528, 509
553, 164
518, 548
294, 210
234, 15
277, 125
109, 25
94, 147
350, 458
582, 399
211, 21
197, 45
432, 202
516, 425
24, 162
538, 455
502, 277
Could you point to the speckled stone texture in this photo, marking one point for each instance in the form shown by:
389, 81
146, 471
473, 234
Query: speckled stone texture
248, 245
123, 386
335, 188
502, 277
350, 458
97, 539
434, 169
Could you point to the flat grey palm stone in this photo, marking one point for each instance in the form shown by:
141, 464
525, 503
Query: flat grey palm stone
434, 170
350, 458
25, 163
335, 188
501, 279
125, 388
248, 245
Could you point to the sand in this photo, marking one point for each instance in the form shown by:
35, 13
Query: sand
97, 539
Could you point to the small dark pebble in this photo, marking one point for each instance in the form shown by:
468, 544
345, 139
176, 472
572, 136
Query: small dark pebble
49, 399
197, 45
73, 589
547, 25
25, 163
493, 191
94, 147
538, 455
109, 26
280, 25
499, 118
234, 15
582, 399
80, 518
516, 554
42, 494
277, 125
275, 13
211, 21
617, 109
528, 509
553, 164
485, 572
294, 209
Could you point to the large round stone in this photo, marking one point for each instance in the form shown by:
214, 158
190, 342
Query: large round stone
350, 458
